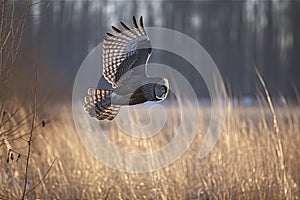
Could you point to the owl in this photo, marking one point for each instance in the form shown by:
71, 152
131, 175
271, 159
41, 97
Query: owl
125, 56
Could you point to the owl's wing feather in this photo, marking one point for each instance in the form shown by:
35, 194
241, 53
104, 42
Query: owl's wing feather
125, 53
98, 104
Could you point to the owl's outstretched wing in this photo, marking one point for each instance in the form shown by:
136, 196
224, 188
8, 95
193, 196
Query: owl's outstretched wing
125, 53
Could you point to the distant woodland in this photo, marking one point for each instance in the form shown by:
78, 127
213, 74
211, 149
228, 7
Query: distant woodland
237, 34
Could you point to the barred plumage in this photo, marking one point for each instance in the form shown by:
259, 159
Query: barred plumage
125, 55
98, 104
123, 46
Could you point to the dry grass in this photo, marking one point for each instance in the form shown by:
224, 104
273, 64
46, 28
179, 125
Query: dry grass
256, 157
243, 165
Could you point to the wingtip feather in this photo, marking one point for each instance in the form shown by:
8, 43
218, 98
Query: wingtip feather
141, 22
124, 26
134, 22
116, 29
109, 35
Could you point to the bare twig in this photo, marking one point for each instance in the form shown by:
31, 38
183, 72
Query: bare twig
16, 152
31, 133
42, 179
14, 132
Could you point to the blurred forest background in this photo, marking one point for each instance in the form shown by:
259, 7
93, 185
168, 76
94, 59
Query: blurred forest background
237, 34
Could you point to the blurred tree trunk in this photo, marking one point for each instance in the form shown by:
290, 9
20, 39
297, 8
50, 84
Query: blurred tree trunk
271, 61
295, 58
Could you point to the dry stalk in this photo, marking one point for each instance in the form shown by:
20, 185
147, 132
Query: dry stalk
275, 137
42, 179
31, 133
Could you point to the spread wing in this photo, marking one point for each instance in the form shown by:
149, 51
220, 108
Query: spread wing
124, 51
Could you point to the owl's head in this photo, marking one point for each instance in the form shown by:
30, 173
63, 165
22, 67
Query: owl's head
161, 89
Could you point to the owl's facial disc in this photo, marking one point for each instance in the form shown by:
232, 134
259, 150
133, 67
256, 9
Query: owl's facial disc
161, 89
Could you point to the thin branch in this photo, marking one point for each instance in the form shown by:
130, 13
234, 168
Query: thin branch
31, 133
16, 152
42, 179
19, 124
12, 140
17, 129
12, 115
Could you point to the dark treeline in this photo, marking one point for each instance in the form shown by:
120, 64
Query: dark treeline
237, 34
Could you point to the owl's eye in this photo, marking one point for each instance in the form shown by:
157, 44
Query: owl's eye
160, 91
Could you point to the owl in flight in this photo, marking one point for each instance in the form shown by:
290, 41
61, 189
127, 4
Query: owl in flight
125, 56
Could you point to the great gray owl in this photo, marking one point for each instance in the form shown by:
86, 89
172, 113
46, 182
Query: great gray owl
125, 56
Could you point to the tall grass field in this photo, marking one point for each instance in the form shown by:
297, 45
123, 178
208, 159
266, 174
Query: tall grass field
254, 158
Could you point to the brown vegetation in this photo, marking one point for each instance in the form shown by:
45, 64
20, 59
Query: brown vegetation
244, 164
41, 155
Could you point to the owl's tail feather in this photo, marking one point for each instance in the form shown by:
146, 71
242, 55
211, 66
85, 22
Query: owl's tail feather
98, 104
